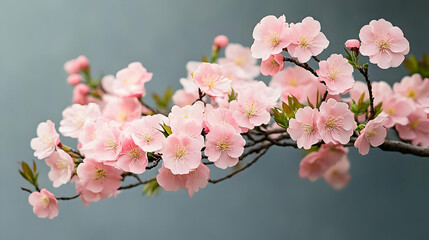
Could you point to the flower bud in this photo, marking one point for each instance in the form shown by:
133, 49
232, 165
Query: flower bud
74, 79
352, 44
221, 41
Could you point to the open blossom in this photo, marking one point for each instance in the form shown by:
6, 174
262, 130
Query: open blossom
187, 119
336, 72
182, 153
239, 60
75, 117
249, 111
383, 43
381, 91
132, 158
272, 65
210, 79
62, 167
97, 180
193, 181
188, 95
271, 35
146, 132
417, 129
44, 204
338, 175
224, 145
219, 116
336, 124
106, 145
122, 110
130, 81
292, 77
303, 128
373, 134
396, 109
46, 141
414, 88
306, 39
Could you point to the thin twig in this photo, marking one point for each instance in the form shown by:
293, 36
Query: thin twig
137, 184
371, 96
300, 64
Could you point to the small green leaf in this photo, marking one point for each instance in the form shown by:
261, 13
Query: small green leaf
361, 100
286, 109
232, 96
309, 103
151, 188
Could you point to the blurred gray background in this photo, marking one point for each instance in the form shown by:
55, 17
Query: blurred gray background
387, 197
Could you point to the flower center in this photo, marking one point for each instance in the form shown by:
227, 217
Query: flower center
414, 124
135, 154
391, 111
411, 94
308, 129
100, 173
304, 42
209, 81
273, 40
333, 123
250, 110
111, 144
47, 140
181, 152
274, 63
61, 164
383, 45
223, 145
240, 61
44, 200
333, 74
369, 133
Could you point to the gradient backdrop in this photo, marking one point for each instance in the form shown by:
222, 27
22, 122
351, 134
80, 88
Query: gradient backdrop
387, 197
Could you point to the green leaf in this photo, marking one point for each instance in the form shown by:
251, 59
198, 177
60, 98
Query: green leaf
309, 103
232, 96
286, 109
166, 130
151, 188
34, 166
280, 117
361, 100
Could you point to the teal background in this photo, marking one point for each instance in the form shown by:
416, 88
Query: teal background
387, 197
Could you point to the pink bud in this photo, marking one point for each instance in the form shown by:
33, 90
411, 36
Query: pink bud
352, 44
79, 93
83, 62
72, 66
74, 79
221, 41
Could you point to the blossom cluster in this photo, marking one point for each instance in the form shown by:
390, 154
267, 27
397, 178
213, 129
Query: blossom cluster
222, 104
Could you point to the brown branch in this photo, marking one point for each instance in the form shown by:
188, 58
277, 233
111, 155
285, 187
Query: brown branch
371, 96
300, 64
137, 184
58, 198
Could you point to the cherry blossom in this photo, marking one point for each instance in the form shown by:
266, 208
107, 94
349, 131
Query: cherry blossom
62, 167
417, 128
272, 65
75, 117
132, 158
210, 80
396, 109
373, 134
303, 128
338, 175
336, 72
44, 203
130, 81
46, 141
414, 88
146, 132
239, 63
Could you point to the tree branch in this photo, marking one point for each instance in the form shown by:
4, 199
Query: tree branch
371, 97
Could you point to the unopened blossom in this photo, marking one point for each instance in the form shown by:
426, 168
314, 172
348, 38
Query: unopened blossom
210, 79
46, 141
62, 167
187, 119
80, 93
306, 39
383, 43
303, 128
238, 59
272, 65
224, 145
336, 124
336, 72
76, 65
132, 158
130, 81
220, 41
271, 35
106, 145
74, 79
75, 117
146, 132
44, 203
417, 129
352, 44
98, 179
182, 153
338, 175
192, 181
122, 110
373, 134
396, 109
414, 88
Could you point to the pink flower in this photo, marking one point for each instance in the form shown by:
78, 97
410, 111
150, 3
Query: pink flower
383, 43
46, 141
107, 144
220, 41
219, 116
146, 132
239, 60
75, 117
417, 129
130, 81
306, 39
414, 88
62, 167
336, 72
44, 204
352, 44
80, 93
122, 110
357, 90
373, 134
314, 165
271, 35
224, 145
303, 128
292, 77
188, 119
248, 111
272, 65
132, 158
336, 124
338, 175
76, 65
182, 153
396, 109
188, 95
74, 79
381, 91
83, 62
193, 181
97, 180
210, 80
